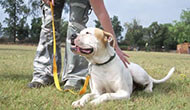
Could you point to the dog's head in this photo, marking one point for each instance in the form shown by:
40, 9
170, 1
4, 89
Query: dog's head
91, 42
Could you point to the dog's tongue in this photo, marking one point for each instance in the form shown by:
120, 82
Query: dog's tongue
81, 50
78, 49
85, 50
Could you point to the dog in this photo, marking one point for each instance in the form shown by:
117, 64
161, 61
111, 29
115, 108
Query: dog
110, 78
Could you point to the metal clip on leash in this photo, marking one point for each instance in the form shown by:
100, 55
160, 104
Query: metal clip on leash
55, 76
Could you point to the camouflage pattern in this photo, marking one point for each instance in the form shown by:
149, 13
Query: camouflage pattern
75, 66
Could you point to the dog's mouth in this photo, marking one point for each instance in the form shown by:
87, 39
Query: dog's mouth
78, 49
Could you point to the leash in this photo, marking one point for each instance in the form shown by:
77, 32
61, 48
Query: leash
83, 90
55, 76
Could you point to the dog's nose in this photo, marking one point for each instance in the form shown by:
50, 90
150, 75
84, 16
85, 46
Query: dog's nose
73, 37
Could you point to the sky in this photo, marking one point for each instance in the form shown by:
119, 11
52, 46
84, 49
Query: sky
145, 11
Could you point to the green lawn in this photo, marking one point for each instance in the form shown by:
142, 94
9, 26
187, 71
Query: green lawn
16, 67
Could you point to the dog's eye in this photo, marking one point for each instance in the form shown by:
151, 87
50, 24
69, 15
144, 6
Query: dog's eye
87, 33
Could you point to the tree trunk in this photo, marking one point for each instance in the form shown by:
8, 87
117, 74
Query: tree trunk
14, 28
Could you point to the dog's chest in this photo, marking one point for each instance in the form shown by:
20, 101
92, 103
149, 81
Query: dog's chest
104, 78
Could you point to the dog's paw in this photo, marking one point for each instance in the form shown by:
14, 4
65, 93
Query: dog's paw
95, 102
77, 104
148, 90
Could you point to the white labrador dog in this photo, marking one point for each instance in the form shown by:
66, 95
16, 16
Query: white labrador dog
110, 79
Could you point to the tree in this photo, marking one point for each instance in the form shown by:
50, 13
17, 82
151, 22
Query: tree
17, 12
1, 29
118, 29
134, 35
157, 34
185, 16
0, 26
180, 29
22, 30
170, 40
97, 24
35, 29
36, 21
185, 24
35, 7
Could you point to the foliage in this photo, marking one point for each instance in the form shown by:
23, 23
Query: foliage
97, 24
158, 33
35, 29
134, 35
181, 29
17, 13
118, 29
170, 40
35, 8
22, 30
0, 26
36, 21
159, 36
185, 16
1, 30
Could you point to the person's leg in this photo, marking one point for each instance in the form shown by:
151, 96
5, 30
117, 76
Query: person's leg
43, 61
75, 66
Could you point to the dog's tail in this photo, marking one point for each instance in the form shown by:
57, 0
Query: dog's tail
165, 78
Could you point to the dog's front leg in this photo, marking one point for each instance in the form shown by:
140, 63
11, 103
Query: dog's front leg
83, 100
111, 96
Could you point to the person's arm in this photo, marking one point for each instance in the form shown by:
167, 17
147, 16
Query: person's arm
48, 1
103, 16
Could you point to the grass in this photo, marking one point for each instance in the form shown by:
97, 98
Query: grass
16, 67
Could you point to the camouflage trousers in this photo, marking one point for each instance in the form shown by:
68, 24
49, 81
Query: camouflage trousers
75, 66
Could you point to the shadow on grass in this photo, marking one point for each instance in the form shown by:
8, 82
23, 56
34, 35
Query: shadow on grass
14, 49
158, 89
15, 77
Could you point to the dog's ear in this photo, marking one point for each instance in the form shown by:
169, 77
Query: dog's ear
108, 37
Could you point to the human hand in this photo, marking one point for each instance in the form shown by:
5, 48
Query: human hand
122, 55
48, 2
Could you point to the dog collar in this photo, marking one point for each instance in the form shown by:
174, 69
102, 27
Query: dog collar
110, 59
